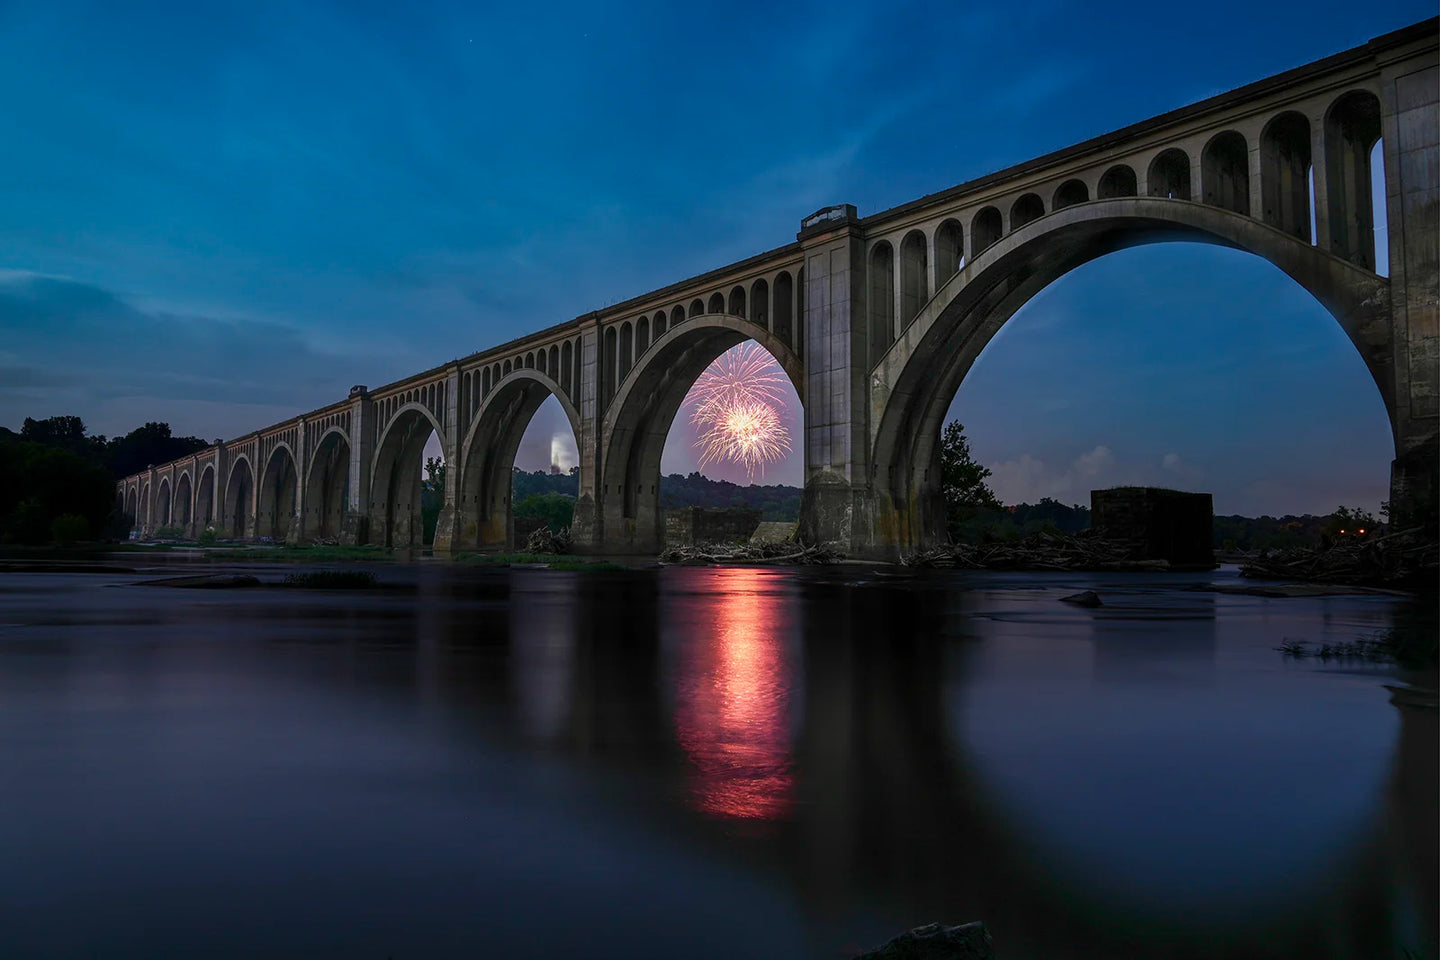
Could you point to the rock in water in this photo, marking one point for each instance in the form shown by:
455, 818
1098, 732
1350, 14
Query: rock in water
934, 941
1087, 599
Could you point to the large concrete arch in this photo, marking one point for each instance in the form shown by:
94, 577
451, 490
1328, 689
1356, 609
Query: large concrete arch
182, 508
162, 503
914, 382
327, 478
636, 423
481, 515
395, 519
277, 513
239, 515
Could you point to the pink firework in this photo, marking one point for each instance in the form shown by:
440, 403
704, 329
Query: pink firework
744, 374
749, 433
735, 404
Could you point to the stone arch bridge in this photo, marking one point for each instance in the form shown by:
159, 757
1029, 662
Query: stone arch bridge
877, 320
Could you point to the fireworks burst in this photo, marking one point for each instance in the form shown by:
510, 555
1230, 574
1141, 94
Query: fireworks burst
745, 374
735, 402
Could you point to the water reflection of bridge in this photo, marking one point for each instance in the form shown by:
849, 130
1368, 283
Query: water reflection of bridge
809, 730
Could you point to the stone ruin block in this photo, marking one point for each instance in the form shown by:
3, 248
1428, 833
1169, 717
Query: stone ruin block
1165, 524
691, 525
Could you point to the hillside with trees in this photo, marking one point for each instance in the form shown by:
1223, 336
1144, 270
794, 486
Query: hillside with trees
57, 483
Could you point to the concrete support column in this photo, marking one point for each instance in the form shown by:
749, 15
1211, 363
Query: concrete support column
149, 493
252, 510
1256, 188
587, 528
448, 525
355, 527
1318, 168
295, 530
1410, 132
838, 503
221, 522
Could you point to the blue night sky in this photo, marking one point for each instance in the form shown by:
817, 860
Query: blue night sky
222, 215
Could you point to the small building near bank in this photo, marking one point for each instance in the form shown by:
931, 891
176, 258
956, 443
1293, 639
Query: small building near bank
1169, 525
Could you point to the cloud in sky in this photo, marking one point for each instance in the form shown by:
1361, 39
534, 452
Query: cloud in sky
76, 347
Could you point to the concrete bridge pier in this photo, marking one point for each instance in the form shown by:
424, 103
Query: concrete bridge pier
838, 505
355, 526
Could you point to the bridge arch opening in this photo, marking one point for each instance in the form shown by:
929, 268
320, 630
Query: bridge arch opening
955, 329
914, 276
1285, 174
1118, 181
949, 250
1169, 175
327, 487
627, 351
132, 507
784, 309
881, 301
611, 358
1029, 207
717, 303
184, 499
397, 488
985, 229
737, 302
642, 428
1352, 130
239, 498
528, 427
162, 503
1225, 172
1070, 192
760, 302
279, 495
205, 498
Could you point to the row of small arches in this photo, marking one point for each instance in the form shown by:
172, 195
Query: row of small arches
776, 307
560, 362
431, 396
1352, 131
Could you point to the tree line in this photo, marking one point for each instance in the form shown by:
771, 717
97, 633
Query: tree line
57, 482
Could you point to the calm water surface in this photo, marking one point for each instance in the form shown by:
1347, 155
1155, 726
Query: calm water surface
702, 763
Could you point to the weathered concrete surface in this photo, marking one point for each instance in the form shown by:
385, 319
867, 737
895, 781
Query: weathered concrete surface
877, 320
687, 526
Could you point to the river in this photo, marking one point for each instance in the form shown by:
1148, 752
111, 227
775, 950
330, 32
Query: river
703, 762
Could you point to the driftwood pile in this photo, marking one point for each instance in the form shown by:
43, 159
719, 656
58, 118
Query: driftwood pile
1086, 550
545, 540
1409, 557
755, 551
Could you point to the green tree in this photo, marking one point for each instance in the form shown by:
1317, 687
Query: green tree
556, 509
962, 480
39, 483
432, 497
143, 446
